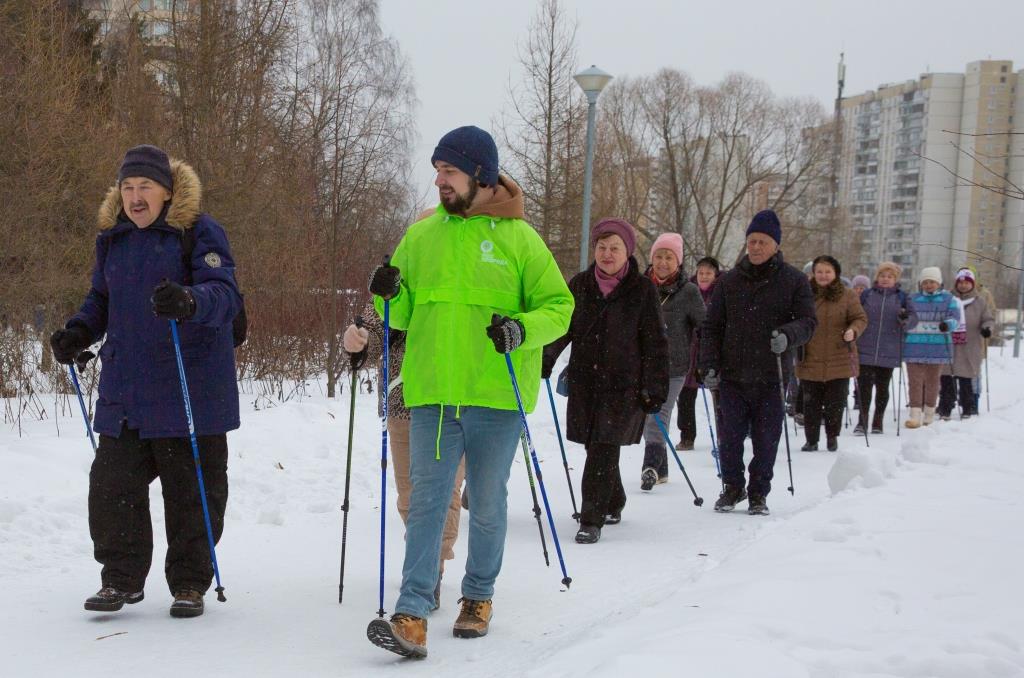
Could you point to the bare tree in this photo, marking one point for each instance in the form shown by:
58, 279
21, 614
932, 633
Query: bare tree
544, 138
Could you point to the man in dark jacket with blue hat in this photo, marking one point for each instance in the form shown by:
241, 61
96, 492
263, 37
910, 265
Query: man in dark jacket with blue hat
141, 281
759, 310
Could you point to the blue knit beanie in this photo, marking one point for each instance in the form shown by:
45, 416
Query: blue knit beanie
472, 150
149, 162
767, 222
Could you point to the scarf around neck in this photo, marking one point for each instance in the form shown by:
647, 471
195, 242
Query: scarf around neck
607, 283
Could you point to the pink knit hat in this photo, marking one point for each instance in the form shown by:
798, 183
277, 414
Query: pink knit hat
673, 242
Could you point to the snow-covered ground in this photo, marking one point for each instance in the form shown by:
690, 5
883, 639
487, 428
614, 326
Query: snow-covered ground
898, 560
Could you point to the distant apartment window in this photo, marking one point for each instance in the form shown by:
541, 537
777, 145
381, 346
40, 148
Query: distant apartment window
1002, 79
159, 29
1002, 69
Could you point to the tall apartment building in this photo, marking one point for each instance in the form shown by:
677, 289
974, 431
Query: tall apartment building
903, 146
156, 15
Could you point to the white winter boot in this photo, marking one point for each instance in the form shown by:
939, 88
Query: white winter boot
915, 418
929, 415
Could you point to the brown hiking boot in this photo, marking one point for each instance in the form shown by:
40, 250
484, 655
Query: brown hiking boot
474, 619
404, 634
187, 603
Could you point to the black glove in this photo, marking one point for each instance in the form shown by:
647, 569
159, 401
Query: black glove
67, 344
82, 361
171, 300
986, 332
385, 281
945, 326
546, 369
779, 342
648, 404
506, 333
903, 315
711, 380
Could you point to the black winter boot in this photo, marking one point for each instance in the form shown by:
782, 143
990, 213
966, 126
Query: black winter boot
111, 599
877, 420
730, 496
758, 505
588, 534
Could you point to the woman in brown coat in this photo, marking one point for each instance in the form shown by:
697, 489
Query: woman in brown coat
830, 358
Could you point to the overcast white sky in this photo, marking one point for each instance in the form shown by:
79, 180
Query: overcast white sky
464, 53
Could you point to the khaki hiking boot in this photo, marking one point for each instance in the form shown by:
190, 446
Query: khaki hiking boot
404, 634
474, 619
187, 603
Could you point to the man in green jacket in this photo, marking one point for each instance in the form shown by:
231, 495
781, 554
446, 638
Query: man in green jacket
469, 282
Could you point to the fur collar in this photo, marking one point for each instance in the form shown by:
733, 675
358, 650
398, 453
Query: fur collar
183, 211
831, 292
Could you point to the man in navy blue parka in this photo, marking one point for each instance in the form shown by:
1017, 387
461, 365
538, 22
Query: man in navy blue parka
140, 282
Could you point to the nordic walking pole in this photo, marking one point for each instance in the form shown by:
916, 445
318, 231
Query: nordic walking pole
566, 579
82, 359
856, 373
561, 446
383, 386
899, 391
711, 430
952, 373
988, 392
785, 429
697, 500
195, 457
355, 362
536, 506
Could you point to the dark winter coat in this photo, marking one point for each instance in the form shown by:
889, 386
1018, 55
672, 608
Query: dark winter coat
749, 303
880, 344
139, 382
705, 297
683, 312
619, 347
827, 356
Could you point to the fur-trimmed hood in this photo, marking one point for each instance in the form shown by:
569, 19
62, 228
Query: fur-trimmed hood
182, 212
831, 292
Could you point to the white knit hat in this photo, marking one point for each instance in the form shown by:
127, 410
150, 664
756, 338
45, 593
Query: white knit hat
930, 273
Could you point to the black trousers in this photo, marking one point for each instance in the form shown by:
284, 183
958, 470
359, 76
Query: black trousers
753, 409
687, 418
602, 484
824, 400
119, 520
950, 388
877, 379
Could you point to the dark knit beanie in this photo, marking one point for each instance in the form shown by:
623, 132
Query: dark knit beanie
710, 261
619, 227
767, 222
831, 261
472, 150
149, 162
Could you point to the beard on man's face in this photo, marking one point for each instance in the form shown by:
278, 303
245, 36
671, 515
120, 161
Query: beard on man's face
460, 204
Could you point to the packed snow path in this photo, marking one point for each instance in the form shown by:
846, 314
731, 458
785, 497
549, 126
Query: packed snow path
898, 560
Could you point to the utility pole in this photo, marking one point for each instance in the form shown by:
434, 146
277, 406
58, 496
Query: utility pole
837, 144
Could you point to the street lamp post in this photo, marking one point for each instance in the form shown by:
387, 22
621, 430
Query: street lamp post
591, 81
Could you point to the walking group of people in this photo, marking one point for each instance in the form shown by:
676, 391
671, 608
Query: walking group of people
474, 301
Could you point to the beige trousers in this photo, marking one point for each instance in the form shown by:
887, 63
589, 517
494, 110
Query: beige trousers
923, 383
398, 436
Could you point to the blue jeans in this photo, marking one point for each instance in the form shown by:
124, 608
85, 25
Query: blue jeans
490, 439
